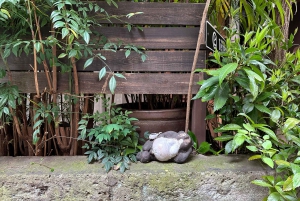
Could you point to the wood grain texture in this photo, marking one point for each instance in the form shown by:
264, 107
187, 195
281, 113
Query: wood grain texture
135, 83
154, 37
163, 61
156, 13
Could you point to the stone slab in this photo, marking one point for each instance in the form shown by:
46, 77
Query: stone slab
208, 178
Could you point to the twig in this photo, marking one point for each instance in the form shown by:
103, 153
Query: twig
200, 41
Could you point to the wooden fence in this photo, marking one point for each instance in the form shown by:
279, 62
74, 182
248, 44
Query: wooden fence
169, 36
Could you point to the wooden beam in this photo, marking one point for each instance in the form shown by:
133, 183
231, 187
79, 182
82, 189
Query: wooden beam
135, 83
157, 61
155, 13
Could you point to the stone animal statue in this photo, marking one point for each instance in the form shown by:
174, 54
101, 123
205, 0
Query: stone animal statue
167, 146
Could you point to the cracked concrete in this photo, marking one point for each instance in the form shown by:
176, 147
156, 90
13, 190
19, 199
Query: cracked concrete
208, 178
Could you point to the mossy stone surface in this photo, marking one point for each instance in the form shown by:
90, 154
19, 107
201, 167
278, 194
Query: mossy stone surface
200, 178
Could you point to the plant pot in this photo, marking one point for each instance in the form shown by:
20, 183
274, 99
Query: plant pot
161, 120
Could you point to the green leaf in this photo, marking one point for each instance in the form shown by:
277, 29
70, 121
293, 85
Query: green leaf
228, 147
86, 37
224, 138
102, 73
120, 75
37, 46
275, 196
88, 62
238, 140
253, 87
254, 157
248, 127
261, 183
248, 107
269, 132
64, 32
268, 161
252, 74
221, 96
288, 184
296, 180
127, 53
275, 115
267, 144
262, 108
225, 70
112, 84
289, 124
62, 55
252, 148
230, 127
203, 148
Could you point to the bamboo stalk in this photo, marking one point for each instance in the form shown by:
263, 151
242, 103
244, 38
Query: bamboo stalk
199, 41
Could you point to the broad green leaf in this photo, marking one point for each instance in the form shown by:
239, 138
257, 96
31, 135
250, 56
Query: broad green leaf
230, 127
203, 148
224, 138
289, 124
288, 184
86, 37
225, 70
62, 55
269, 132
253, 87
252, 74
37, 46
120, 75
252, 148
221, 96
102, 73
238, 140
296, 180
112, 84
275, 115
248, 127
228, 147
254, 157
275, 196
282, 162
248, 107
295, 168
261, 183
267, 144
262, 108
127, 53
268, 161
64, 32
209, 82
88, 62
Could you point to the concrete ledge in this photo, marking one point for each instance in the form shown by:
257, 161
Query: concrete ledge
209, 178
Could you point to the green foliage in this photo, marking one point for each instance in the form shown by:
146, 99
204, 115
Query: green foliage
43, 113
258, 101
113, 140
203, 147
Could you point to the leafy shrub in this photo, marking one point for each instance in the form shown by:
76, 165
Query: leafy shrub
113, 140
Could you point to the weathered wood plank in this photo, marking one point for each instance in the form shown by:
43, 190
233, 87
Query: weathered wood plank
156, 13
163, 61
154, 37
135, 83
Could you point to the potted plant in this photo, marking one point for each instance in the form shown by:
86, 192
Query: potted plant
157, 112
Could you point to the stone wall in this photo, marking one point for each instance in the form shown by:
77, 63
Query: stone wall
208, 178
